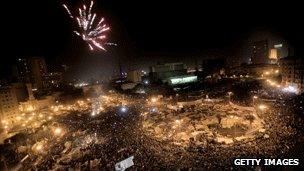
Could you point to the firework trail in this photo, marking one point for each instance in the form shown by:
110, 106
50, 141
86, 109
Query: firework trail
93, 34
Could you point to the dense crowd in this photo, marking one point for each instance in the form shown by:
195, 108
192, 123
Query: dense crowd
99, 142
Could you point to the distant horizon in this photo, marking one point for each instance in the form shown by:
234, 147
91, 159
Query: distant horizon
146, 31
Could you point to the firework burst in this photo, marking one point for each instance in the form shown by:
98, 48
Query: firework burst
91, 31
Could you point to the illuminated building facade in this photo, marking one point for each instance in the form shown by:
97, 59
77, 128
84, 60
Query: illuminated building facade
11, 96
283, 50
171, 74
162, 72
8, 102
273, 56
256, 70
182, 79
292, 69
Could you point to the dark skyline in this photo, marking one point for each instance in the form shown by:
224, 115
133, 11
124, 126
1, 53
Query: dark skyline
145, 30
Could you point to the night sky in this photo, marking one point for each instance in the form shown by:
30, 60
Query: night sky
145, 31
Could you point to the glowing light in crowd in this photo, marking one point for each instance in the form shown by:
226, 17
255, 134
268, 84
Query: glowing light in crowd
30, 108
262, 107
153, 99
290, 89
92, 32
39, 147
123, 109
146, 82
154, 109
58, 131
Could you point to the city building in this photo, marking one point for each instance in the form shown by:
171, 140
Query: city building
162, 72
283, 50
171, 74
259, 52
37, 104
52, 80
31, 70
255, 70
292, 69
8, 102
23, 91
134, 76
273, 56
182, 79
18, 97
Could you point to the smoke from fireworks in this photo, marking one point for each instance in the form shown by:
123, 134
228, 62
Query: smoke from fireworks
93, 33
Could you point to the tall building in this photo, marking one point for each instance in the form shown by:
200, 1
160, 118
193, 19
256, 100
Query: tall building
259, 52
10, 96
31, 70
292, 69
22, 71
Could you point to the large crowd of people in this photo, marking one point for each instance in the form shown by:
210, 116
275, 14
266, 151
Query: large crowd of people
99, 142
